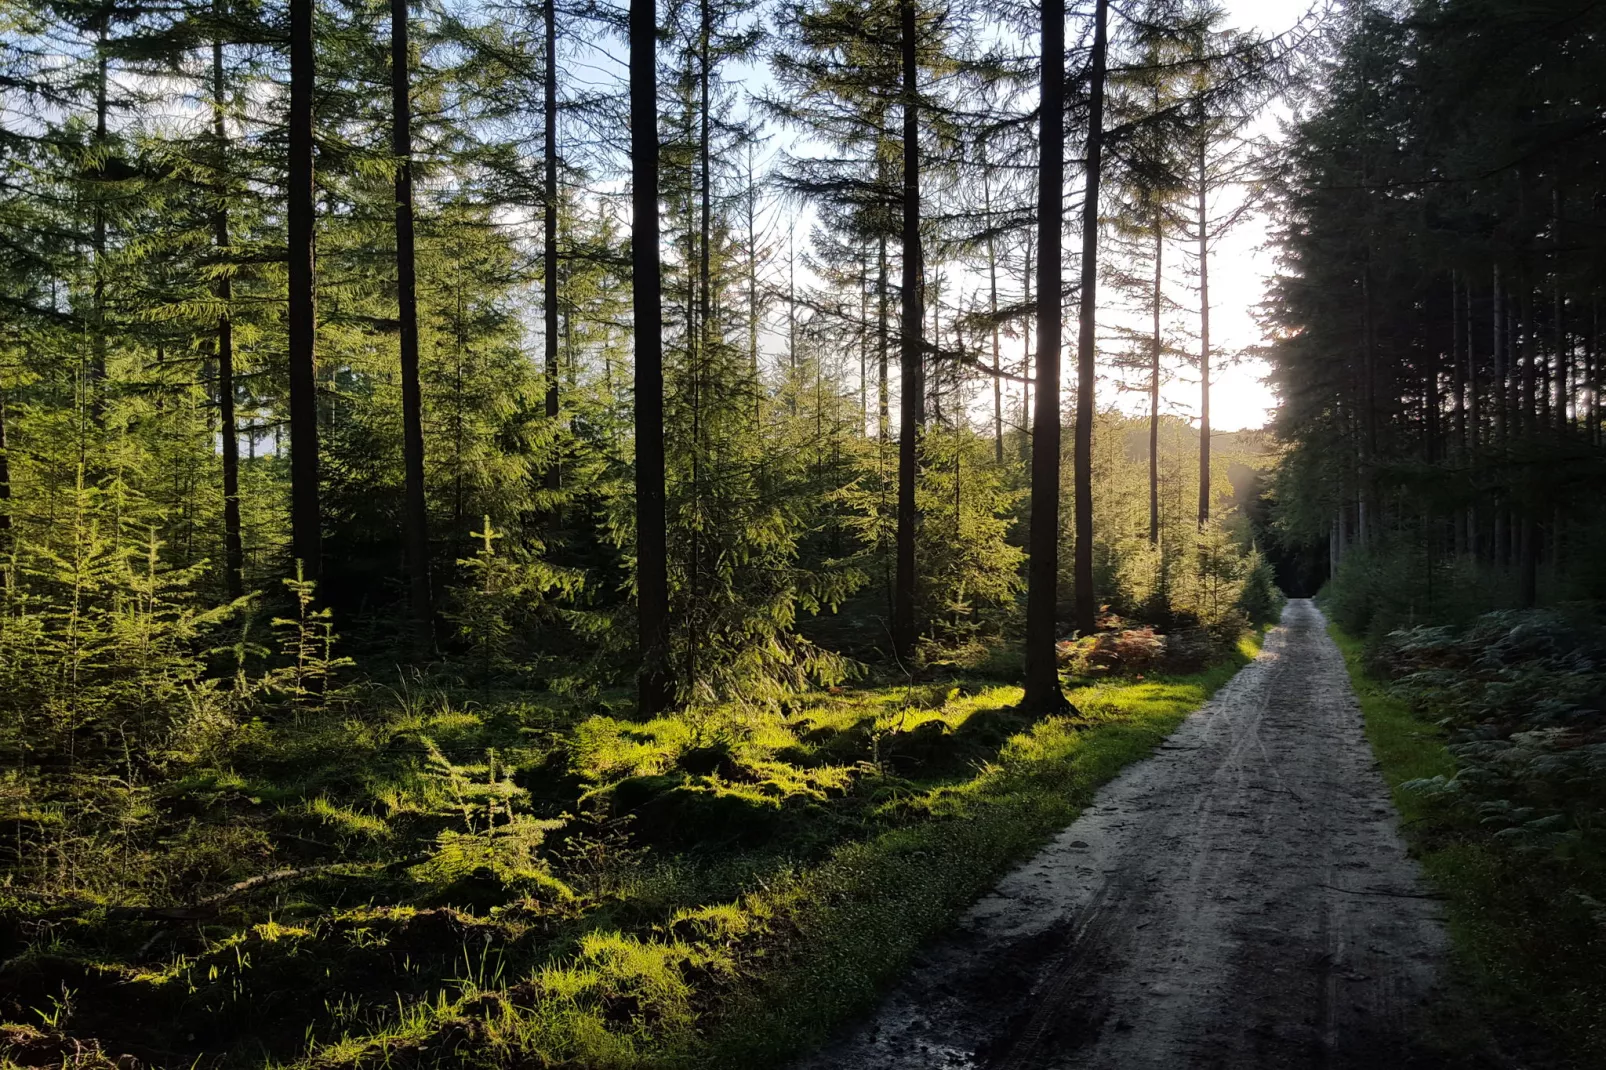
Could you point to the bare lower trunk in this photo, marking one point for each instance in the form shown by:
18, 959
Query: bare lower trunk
306, 538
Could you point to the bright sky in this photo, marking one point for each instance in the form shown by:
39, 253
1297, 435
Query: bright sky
1239, 271
1240, 265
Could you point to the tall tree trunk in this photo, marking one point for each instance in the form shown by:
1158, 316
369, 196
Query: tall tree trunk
1474, 415
1204, 335
1087, 337
1500, 399
701, 336
1154, 384
1042, 690
1498, 393
864, 341
1458, 414
752, 268
791, 309
1363, 505
992, 308
1026, 350
306, 537
549, 296
5, 497
233, 544
97, 342
1531, 396
883, 400
912, 405
1563, 357
654, 684
416, 515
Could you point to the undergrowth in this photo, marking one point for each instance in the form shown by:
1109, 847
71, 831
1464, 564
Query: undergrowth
1488, 737
544, 881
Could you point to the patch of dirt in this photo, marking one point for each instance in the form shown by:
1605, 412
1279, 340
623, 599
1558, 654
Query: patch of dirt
1242, 899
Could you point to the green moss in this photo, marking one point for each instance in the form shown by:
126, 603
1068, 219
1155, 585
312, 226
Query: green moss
742, 880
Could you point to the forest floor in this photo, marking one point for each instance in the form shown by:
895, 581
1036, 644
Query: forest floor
424, 879
1241, 899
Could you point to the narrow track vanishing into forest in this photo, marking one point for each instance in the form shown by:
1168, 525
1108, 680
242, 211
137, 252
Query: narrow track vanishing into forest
1242, 899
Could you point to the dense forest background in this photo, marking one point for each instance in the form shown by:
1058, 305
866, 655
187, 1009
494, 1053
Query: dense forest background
1440, 363
354, 540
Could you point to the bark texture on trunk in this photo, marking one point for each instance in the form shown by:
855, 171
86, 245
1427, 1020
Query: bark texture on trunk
1042, 592
655, 686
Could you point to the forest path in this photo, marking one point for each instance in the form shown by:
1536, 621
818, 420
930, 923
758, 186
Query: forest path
1242, 899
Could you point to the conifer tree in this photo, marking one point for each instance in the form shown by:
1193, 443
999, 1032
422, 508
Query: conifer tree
415, 511
1042, 661
652, 563
305, 511
911, 408
1086, 601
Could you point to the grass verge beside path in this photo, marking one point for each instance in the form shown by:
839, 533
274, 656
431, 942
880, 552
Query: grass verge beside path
857, 919
1512, 923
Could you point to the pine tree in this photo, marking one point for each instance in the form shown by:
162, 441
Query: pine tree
652, 564
1042, 663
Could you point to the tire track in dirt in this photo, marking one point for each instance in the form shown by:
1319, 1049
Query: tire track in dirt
1242, 899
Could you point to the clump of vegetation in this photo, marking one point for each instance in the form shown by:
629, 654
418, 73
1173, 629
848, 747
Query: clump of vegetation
1493, 736
1522, 698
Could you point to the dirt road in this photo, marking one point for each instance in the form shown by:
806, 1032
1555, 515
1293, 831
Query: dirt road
1241, 900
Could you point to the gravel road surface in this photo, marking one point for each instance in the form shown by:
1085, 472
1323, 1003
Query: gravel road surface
1242, 899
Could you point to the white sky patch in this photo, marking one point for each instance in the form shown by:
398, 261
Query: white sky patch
1241, 263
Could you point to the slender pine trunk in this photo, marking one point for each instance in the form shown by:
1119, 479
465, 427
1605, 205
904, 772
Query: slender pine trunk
549, 226
1204, 335
233, 543
416, 510
306, 537
1026, 352
97, 341
992, 308
1154, 383
883, 331
1042, 691
912, 405
1087, 339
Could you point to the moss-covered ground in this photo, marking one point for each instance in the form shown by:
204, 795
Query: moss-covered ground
535, 882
